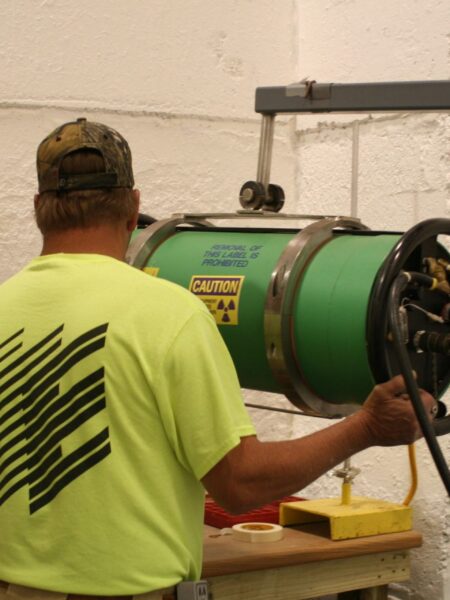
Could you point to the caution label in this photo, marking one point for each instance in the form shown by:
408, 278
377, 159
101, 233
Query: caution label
220, 294
151, 271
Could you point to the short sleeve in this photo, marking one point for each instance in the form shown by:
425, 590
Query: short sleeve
199, 397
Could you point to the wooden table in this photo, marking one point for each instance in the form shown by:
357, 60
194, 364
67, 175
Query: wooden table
306, 564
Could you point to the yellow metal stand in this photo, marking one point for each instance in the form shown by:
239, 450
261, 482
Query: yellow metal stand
349, 517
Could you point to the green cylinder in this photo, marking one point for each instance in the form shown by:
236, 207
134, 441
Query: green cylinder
232, 271
331, 313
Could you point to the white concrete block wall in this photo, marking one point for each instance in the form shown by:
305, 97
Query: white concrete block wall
178, 79
195, 57
353, 40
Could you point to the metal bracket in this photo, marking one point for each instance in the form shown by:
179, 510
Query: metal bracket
304, 89
278, 316
146, 242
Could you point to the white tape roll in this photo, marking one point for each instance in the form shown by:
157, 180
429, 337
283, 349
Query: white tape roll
257, 532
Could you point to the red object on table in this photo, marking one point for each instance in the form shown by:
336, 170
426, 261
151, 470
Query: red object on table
216, 516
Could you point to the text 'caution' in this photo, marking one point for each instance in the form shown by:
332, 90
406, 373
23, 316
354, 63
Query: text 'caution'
220, 294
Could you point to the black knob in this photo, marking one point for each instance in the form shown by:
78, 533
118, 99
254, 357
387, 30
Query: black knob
275, 201
252, 195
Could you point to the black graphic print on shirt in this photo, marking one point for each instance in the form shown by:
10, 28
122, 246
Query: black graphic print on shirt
35, 416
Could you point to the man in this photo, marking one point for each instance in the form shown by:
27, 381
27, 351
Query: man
118, 400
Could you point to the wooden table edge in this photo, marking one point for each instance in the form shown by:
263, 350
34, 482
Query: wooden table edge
270, 556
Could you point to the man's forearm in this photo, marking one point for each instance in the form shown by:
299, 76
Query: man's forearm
255, 473
259, 472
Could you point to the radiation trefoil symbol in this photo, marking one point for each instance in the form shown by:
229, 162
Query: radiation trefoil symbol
225, 308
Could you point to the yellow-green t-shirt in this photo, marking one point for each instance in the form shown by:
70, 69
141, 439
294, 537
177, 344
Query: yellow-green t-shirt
117, 395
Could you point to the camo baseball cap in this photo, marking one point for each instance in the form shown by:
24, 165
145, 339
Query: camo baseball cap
78, 135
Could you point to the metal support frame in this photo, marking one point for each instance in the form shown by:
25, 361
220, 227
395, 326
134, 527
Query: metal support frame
312, 97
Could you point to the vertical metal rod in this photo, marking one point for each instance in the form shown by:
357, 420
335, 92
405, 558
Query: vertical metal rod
265, 150
355, 170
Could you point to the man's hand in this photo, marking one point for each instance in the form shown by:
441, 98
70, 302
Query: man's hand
389, 414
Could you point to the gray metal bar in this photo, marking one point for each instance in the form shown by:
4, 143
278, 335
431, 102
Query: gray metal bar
354, 97
251, 214
265, 150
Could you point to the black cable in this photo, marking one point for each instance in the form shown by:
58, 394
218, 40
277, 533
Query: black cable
397, 287
284, 410
272, 408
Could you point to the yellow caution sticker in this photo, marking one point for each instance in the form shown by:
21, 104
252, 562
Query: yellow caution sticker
151, 271
220, 294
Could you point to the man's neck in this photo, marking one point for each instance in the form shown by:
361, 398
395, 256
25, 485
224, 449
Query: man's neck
107, 240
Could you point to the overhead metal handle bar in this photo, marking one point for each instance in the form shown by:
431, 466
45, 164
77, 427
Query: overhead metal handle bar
312, 97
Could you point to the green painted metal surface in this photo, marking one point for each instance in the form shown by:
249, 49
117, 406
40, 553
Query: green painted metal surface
331, 314
251, 255
330, 310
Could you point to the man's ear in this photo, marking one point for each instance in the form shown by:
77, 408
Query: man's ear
132, 223
37, 197
137, 198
